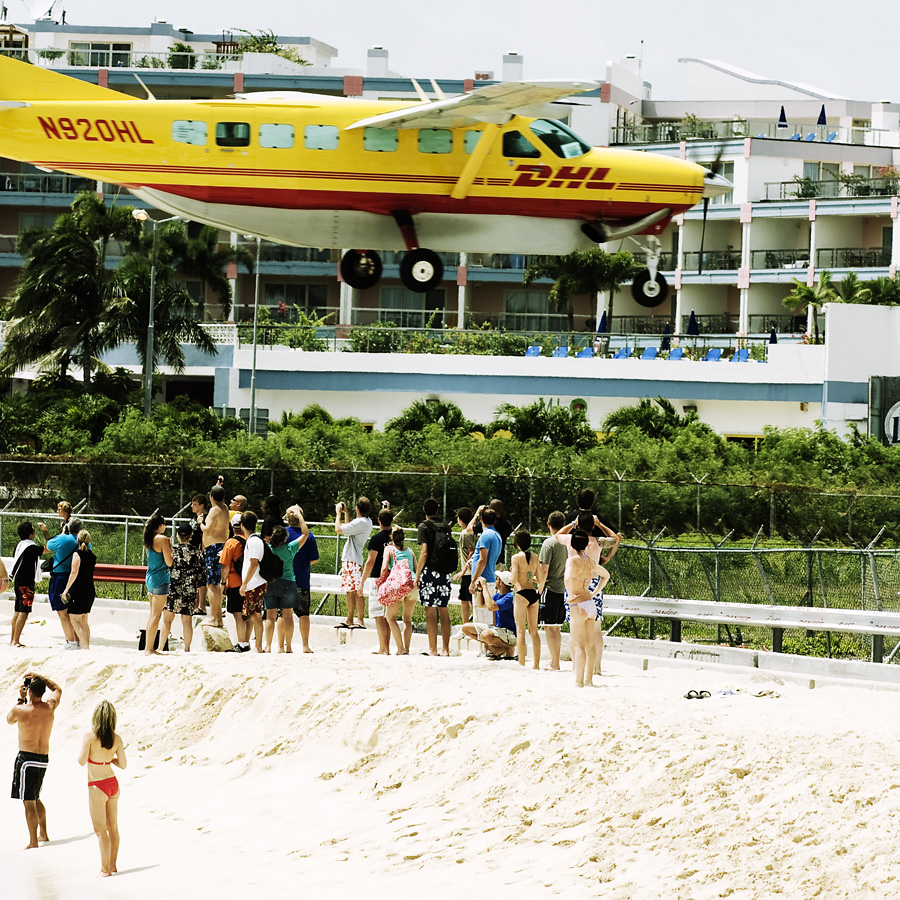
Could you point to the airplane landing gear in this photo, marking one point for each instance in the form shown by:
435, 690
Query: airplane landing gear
421, 270
649, 288
361, 269
648, 291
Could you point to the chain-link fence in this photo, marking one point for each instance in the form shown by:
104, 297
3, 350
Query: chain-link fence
633, 506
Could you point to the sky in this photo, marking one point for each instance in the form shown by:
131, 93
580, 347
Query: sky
783, 39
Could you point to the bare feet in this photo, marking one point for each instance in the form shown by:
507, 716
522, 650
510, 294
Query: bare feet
445, 652
31, 847
42, 838
307, 650
150, 652
104, 874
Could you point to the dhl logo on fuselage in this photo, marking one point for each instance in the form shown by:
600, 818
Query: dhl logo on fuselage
108, 130
564, 176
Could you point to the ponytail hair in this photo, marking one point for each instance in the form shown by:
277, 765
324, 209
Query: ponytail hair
523, 542
151, 528
84, 539
397, 537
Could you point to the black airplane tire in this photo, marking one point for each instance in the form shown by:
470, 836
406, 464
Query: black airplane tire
361, 269
649, 293
421, 270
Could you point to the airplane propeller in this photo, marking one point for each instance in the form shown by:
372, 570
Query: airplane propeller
714, 185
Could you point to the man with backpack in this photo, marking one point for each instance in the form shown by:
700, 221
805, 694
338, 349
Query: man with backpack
438, 556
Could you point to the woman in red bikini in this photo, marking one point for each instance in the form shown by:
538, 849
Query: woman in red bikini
101, 750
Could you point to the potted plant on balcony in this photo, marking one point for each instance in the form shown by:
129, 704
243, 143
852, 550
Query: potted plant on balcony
807, 187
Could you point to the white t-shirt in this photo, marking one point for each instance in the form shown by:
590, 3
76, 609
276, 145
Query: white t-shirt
357, 533
253, 549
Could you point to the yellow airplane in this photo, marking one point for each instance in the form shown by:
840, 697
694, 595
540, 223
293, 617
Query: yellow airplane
470, 173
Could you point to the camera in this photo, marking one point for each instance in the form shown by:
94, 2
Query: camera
26, 683
385, 504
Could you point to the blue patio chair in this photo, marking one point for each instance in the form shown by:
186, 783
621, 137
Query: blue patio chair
795, 137
650, 353
676, 353
533, 351
741, 355
713, 355
762, 135
585, 353
622, 353
810, 137
831, 136
560, 351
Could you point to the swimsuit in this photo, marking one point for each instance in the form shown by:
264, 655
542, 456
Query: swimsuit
28, 775
530, 594
109, 786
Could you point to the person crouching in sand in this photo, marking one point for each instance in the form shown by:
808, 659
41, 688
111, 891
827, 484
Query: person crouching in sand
581, 571
102, 749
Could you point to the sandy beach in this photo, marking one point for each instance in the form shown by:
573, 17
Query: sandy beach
359, 775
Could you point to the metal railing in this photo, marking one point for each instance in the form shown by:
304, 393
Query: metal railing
128, 59
779, 259
832, 189
852, 258
41, 183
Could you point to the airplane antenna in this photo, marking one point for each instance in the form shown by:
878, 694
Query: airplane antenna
144, 86
438, 92
422, 95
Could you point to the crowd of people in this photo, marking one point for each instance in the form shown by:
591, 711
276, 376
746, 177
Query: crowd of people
257, 568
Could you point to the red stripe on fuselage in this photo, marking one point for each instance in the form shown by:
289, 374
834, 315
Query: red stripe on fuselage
385, 203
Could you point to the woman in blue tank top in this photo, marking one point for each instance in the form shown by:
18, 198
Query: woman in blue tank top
159, 561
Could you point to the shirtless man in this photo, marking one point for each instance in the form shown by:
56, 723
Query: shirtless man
584, 580
33, 713
215, 533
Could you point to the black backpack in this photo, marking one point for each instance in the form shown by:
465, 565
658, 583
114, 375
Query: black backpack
443, 554
237, 563
270, 566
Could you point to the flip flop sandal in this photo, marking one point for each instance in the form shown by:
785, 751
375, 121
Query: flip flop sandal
691, 695
702, 695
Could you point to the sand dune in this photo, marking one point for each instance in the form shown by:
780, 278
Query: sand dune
364, 776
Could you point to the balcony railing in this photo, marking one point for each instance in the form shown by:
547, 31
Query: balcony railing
852, 258
831, 189
128, 59
779, 259
673, 132
40, 183
713, 260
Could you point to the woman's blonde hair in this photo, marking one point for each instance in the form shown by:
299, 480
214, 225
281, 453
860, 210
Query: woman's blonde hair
292, 515
84, 539
104, 724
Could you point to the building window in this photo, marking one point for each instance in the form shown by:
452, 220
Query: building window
99, 54
279, 137
285, 299
435, 140
517, 146
320, 137
232, 134
380, 140
411, 310
37, 220
530, 311
185, 131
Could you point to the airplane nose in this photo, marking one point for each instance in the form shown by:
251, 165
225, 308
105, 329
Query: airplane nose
715, 185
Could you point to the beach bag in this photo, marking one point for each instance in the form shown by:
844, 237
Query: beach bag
397, 585
444, 555
270, 566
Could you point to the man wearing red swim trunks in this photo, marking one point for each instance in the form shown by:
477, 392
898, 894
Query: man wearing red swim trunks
33, 713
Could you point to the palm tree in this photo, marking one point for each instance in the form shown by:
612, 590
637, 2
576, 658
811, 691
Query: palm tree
852, 290
583, 272
813, 298
660, 423
548, 422
202, 257
174, 313
421, 413
883, 291
59, 301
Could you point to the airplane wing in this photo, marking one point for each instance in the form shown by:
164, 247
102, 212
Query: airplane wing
495, 104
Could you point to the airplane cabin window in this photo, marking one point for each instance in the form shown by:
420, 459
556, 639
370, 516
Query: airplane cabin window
381, 140
320, 137
276, 136
515, 144
185, 131
232, 134
435, 140
559, 139
472, 138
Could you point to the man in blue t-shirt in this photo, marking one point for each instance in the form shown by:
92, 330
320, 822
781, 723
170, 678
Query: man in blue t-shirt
306, 556
487, 551
499, 638
63, 546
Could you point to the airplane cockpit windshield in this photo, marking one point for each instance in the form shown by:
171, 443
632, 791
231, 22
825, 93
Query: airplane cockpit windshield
559, 139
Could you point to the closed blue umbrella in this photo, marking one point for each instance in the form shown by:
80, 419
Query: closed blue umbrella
693, 328
782, 119
822, 119
773, 338
666, 342
601, 328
